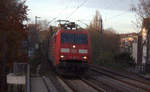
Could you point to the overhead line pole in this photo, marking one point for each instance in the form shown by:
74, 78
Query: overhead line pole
36, 17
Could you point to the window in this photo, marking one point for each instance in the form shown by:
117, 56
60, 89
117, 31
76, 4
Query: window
74, 38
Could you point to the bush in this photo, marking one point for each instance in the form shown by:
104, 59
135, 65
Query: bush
124, 57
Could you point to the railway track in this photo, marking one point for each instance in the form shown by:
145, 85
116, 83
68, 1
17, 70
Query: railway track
134, 76
48, 84
64, 84
137, 85
80, 85
102, 81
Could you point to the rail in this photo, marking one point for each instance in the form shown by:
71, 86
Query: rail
46, 84
138, 78
116, 77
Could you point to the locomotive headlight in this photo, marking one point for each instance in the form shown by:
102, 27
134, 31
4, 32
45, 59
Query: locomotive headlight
62, 56
84, 57
74, 46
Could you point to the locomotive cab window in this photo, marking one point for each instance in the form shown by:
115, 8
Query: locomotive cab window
81, 39
74, 38
67, 38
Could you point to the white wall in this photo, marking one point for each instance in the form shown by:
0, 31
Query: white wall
144, 54
134, 51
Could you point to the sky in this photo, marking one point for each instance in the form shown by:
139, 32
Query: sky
116, 14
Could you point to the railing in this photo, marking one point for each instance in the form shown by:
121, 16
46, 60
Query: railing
140, 68
19, 79
23, 69
28, 89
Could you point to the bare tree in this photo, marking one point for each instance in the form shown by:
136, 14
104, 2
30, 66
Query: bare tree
104, 46
12, 33
142, 9
97, 22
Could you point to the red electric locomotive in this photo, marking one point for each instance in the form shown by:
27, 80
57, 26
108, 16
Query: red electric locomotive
70, 49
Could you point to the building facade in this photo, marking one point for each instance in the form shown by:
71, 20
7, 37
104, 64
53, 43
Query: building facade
128, 44
144, 45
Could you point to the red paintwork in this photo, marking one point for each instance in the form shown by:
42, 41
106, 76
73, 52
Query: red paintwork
57, 45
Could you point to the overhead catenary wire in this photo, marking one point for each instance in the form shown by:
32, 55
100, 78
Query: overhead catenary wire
60, 13
77, 9
118, 15
83, 23
79, 6
114, 17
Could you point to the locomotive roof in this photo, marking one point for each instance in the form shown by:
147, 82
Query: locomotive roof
73, 31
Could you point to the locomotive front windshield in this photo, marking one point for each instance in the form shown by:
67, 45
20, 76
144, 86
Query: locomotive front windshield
74, 38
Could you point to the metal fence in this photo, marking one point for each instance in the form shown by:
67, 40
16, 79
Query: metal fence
23, 69
140, 68
28, 89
